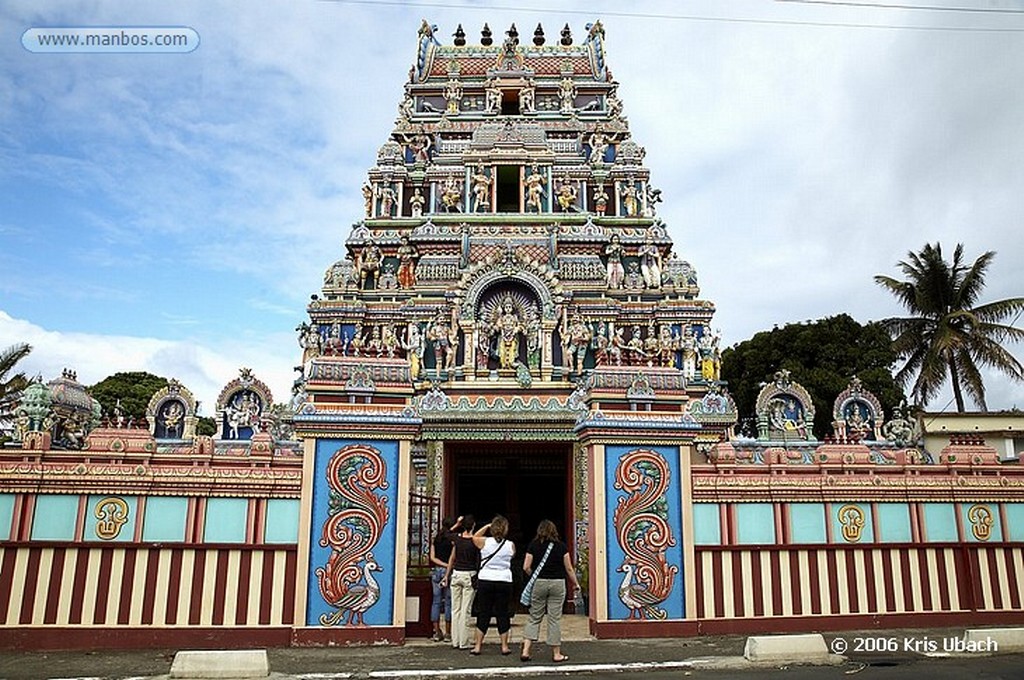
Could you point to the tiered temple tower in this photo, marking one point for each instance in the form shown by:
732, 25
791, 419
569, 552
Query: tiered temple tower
509, 303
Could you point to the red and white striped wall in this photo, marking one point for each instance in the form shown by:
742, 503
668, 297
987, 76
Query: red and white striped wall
741, 582
60, 585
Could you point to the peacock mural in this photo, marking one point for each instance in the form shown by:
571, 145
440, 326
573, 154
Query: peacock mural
356, 519
641, 521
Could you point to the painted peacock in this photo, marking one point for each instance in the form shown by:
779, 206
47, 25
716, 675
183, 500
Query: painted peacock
357, 516
641, 525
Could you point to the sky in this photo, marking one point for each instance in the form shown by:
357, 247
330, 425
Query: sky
173, 212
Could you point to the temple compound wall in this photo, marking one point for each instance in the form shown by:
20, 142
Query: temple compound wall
510, 329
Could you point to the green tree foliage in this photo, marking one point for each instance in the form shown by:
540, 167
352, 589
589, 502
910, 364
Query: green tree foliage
822, 356
134, 389
206, 427
11, 384
948, 334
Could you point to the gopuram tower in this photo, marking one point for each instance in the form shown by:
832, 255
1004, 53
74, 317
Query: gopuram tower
508, 330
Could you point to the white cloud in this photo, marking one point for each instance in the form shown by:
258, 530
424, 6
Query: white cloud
202, 369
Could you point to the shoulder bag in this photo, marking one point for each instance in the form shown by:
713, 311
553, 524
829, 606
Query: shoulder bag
527, 594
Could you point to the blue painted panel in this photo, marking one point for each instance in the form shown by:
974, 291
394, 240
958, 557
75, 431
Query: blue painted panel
54, 518
755, 523
361, 560
226, 520
164, 519
707, 526
939, 522
1014, 521
643, 507
115, 520
981, 522
894, 523
6, 515
847, 518
807, 523
282, 521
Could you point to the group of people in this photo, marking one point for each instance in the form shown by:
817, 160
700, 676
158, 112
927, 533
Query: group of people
472, 579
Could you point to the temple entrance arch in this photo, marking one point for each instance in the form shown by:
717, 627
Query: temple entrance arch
525, 481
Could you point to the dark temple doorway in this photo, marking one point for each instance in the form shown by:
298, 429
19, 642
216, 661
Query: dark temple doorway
524, 481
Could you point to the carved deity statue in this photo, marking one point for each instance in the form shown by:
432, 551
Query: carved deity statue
527, 98
481, 190
600, 200
387, 199
630, 204
616, 274
451, 195
407, 256
416, 202
535, 182
369, 263
576, 337
567, 195
413, 346
650, 263
508, 329
567, 95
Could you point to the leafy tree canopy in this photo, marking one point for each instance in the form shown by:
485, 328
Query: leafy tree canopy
822, 356
206, 427
134, 389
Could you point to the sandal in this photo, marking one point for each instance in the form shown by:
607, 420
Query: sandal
524, 659
562, 660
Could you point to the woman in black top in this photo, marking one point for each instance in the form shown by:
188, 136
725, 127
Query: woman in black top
548, 594
440, 553
462, 566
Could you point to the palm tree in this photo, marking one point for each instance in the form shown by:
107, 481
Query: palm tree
11, 385
948, 333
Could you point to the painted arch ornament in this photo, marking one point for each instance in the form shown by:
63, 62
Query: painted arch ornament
357, 515
641, 522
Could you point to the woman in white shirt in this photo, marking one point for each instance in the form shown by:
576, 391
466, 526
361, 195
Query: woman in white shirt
494, 582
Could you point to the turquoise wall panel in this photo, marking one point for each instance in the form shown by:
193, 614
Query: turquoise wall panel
894, 523
226, 520
847, 519
644, 528
164, 519
111, 518
355, 492
282, 524
807, 523
1014, 521
939, 522
707, 527
981, 522
6, 515
54, 518
755, 523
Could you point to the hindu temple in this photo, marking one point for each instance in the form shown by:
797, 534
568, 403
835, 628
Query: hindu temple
509, 328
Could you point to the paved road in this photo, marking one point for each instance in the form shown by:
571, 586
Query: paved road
659, 659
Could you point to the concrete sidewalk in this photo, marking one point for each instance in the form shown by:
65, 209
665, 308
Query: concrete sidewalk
421, 658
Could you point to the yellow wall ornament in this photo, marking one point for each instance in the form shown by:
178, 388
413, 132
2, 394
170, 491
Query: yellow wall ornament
981, 521
111, 514
851, 518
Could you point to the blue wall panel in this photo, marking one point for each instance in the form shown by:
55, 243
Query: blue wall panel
981, 522
355, 487
282, 524
755, 523
847, 519
807, 523
644, 530
894, 523
6, 515
707, 527
939, 522
115, 521
226, 520
54, 518
1014, 521
164, 519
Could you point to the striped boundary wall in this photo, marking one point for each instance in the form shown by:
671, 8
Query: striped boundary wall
60, 585
737, 583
